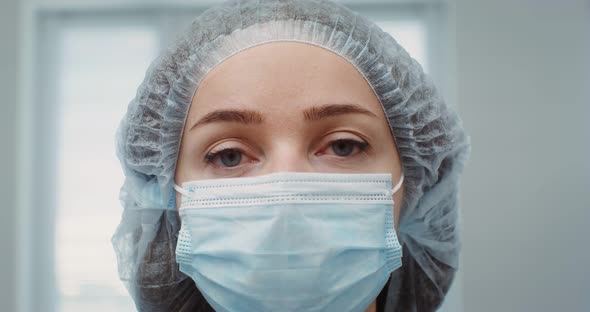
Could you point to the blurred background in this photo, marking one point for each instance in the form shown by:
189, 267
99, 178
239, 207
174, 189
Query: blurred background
518, 72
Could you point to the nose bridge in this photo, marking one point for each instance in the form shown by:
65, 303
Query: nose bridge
288, 156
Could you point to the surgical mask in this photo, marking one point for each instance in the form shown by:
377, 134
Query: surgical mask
289, 241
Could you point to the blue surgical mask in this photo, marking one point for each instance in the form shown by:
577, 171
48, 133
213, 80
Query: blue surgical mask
289, 241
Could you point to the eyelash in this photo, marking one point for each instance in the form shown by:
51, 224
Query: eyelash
361, 145
211, 156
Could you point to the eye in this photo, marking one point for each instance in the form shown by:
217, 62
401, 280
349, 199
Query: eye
347, 147
226, 157
342, 147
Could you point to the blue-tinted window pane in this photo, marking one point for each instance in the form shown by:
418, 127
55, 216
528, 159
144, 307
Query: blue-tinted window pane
99, 71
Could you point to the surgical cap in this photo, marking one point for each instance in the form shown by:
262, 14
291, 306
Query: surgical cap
428, 133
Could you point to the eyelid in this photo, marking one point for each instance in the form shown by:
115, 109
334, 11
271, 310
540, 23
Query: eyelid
344, 136
210, 157
359, 142
222, 147
231, 145
234, 143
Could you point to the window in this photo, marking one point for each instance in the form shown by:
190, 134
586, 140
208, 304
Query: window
97, 60
100, 67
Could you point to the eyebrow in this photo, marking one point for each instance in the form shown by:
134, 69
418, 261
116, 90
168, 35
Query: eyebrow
246, 117
327, 111
249, 117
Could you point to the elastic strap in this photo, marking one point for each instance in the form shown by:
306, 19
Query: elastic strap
181, 190
399, 184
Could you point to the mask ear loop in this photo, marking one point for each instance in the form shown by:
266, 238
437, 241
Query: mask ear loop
398, 185
182, 191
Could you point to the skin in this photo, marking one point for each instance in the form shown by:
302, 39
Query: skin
280, 81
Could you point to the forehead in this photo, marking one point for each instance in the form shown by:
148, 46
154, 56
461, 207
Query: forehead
281, 77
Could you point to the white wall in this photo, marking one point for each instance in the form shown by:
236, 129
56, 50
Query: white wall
523, 86
8, 100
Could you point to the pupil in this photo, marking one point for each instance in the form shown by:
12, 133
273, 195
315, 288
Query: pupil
231, 158
342, 148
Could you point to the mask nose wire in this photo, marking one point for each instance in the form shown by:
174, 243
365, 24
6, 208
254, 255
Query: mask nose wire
188, 194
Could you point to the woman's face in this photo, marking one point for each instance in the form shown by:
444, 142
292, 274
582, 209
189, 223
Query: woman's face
286, 106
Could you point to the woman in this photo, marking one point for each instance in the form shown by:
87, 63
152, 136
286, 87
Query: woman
288, 156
